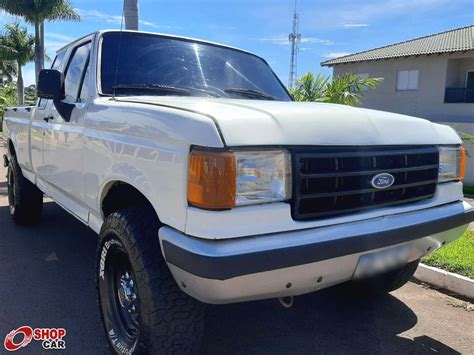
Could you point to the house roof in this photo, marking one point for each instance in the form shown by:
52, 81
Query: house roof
457, 40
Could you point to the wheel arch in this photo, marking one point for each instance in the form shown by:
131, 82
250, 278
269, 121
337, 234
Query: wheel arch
11, 147
119, 194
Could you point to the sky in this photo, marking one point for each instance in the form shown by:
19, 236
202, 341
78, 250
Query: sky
329, 28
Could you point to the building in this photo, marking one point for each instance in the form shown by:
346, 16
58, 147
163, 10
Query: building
430, 77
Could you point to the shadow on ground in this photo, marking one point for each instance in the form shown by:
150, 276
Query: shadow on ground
47, 274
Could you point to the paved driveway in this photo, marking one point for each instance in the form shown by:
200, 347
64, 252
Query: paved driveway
47, 273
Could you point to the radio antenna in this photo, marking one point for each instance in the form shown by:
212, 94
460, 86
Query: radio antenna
295, 40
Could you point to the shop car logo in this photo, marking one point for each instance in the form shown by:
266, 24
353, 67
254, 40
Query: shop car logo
51, 338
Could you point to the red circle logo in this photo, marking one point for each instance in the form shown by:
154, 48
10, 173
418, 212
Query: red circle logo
27, 337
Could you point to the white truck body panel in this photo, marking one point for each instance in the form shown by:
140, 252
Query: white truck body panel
256, 122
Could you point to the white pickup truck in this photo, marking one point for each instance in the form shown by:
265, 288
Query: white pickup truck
207, 184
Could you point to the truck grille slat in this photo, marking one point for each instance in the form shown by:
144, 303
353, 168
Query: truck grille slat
332, 181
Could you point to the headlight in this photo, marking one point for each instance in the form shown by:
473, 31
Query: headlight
263, 176
452, 163
222, 180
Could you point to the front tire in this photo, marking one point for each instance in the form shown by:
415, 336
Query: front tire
25, 200
143, 310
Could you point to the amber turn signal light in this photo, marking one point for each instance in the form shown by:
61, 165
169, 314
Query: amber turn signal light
212, 179
462, 166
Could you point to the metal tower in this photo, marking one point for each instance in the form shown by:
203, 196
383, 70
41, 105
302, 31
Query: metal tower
295, 40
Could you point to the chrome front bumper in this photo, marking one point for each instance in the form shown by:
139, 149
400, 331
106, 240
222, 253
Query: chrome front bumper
299, 262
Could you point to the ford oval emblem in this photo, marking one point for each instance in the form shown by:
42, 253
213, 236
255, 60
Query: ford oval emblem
382, 181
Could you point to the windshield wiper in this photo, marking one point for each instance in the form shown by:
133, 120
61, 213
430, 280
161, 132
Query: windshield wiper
249, 93
205, 91
165, 88
153, 87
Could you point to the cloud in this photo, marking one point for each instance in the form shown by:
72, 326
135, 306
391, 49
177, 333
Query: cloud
98, 15
283, 40
59, 36
355, 25
53, 46
117, 19
330, 14
332, 55
55, 41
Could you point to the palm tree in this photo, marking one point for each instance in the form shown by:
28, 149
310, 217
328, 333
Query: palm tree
7, 70
16, 44
346, 89
130, 12
36, 12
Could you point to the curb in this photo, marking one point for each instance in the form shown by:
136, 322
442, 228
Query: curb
461, 285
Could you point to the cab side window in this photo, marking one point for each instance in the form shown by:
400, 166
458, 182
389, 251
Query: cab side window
56, 65
75, 72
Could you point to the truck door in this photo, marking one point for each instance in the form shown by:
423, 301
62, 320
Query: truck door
63, 140
38, 125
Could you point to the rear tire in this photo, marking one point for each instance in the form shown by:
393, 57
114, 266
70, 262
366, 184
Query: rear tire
24, 198
143, 310
387, 282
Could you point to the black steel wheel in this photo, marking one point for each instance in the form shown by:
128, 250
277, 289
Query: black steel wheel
120, 303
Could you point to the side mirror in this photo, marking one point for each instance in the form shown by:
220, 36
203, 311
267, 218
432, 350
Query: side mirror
51, 87
51, 84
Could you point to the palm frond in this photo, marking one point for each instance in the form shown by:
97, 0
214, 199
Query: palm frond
63, 11
347, 89
34, 11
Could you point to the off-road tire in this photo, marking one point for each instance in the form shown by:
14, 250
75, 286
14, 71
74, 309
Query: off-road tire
168, 320
387, 282
24, 198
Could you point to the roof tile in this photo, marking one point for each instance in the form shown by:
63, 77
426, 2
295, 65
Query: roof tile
460, 39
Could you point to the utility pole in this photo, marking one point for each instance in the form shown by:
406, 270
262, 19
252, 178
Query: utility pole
295, 40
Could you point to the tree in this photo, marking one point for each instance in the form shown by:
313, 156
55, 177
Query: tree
310, 87
130, 12
36, 12
17, 45
7, 70
30, 95
7, 98
345, 90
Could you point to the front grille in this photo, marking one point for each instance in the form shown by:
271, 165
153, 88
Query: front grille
334, 181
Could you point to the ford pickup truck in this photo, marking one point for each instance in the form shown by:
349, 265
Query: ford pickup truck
207, 183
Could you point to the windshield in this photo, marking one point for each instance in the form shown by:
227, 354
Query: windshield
138, 63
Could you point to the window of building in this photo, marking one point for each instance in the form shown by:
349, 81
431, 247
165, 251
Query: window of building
407, 80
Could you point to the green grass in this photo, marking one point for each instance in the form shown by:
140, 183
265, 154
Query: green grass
457, 256
469, 190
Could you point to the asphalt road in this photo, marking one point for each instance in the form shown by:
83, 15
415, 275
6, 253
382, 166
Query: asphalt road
47, 280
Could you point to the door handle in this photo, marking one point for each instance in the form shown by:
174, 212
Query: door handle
48, 118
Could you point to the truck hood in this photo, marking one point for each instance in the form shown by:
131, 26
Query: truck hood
260, 122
